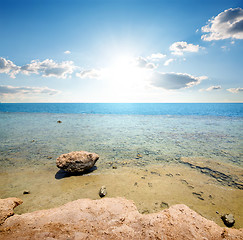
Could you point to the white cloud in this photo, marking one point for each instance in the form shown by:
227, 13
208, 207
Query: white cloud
10, 90
144, 63
8, 67
49, 68
67, 52
212, 88
167, 62
235, 90
175, 80
227, 24
92, 73
178, 48
156, 56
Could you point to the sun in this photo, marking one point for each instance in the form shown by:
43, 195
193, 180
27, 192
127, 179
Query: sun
125, 73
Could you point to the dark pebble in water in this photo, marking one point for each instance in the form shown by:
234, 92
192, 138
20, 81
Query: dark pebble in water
59, 121
155, 173
169, 175
184, 181
102, 191
145, 211
164, 205
26, 192
198, 195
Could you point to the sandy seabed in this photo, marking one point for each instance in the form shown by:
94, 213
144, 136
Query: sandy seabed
152, 188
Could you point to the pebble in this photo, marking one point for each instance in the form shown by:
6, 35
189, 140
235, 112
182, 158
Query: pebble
26, 192
102, 191
228, 219
59, 121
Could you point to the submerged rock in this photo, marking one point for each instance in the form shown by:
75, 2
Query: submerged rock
59, 121
102, 192
228, 219
77, 162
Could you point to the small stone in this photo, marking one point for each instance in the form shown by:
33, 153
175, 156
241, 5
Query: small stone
59, 121
114, 167
26, 192
135, 184
102, 191
217, 212
228, 219
169, 175
164, 205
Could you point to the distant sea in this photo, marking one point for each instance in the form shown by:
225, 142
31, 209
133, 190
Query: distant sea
177, 109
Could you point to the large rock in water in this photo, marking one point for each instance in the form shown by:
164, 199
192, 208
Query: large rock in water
77, 162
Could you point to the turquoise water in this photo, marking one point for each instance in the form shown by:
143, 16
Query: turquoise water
37, 138
184, 109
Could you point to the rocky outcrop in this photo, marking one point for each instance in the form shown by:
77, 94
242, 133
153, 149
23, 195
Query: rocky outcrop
224, 173
113, 218
6, 207
77, 162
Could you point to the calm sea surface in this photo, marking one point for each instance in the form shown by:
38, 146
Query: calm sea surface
124, 135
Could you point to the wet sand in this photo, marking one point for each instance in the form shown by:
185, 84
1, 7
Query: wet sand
152, 188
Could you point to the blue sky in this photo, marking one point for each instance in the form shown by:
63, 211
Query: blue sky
121, 51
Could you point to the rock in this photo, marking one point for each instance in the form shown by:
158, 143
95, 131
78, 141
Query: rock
228, 219
77, 162
102, 191
59, 121
164, 205
6, 207
113, 218
26, 192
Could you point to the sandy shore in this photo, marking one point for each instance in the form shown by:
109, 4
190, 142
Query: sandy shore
152, 188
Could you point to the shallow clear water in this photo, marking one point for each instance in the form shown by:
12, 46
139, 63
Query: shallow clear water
37, 138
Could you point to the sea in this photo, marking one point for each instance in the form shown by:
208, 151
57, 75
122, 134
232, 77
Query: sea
151, 153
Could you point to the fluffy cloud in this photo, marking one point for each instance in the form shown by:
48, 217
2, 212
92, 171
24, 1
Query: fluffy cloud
92, 73
175, 80
144, 63
9, 90
67, 52
178, 48
212, 88
235, 90
8, 67
156, 56
49, 68
167, 62
227, 24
